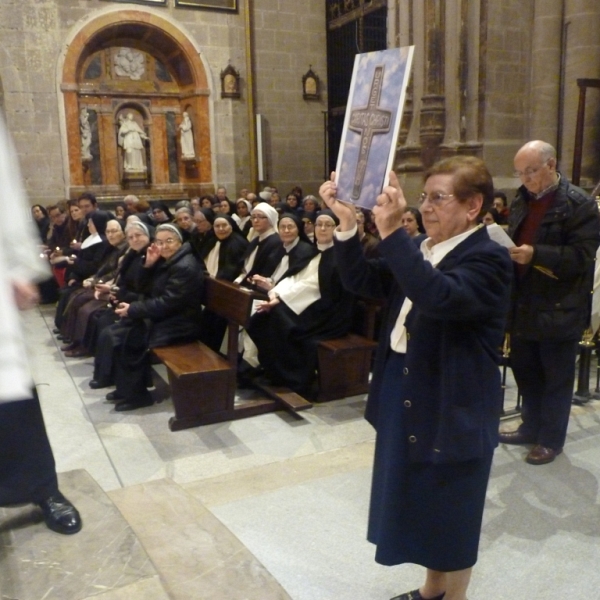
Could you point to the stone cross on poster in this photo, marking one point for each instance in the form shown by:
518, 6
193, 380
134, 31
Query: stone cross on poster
368, 122
372, 123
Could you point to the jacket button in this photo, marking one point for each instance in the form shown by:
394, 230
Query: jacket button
412, 439
407, 403
405, 371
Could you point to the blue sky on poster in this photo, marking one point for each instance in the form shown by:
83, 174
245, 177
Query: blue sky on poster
395, 73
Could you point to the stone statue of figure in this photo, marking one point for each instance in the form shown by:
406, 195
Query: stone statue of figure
187, 137
86, 135
130, 139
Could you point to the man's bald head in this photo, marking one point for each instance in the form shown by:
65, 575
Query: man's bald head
535, 166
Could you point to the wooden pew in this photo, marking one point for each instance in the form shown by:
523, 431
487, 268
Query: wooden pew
203, 383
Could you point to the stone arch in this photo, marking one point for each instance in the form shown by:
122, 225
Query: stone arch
173, 77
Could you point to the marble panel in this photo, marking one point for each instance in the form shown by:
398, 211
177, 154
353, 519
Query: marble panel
145, 589
38, 563
202, 558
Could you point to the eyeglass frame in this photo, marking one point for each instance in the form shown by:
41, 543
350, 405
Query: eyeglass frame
438, 200
167, 242
529, 171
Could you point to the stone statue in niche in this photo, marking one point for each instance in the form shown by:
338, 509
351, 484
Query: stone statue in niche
129, 63
187, 138
130, 139
86, 135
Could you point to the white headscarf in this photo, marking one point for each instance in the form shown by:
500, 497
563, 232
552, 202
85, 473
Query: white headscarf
269, 212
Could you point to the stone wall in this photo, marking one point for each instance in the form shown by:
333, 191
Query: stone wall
289, 36
507, 85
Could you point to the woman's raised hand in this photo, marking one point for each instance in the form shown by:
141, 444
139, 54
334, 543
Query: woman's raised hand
390, 207
152, 255
345, 213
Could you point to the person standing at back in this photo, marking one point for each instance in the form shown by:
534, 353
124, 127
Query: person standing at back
555, 227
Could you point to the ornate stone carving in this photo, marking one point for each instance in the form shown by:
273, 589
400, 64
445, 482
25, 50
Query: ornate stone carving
130, 139
129, 63
86, 135
187, 138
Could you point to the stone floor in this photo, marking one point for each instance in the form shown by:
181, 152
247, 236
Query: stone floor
271, 507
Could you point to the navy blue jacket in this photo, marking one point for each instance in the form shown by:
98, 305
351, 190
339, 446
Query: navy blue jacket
452, 393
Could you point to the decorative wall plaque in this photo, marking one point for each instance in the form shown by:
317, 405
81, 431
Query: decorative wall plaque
311, 85
230, 82
229, 5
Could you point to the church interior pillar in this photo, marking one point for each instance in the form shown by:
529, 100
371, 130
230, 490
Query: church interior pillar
545, 70
411, 30
433, 111
582, 62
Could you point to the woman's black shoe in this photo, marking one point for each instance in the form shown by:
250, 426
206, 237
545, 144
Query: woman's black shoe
114, 396
96, 385
123, 406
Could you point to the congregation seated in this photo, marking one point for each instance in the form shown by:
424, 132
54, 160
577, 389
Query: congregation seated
83, 301
129, 285
242, 216
223, 259
169, 313
262, 254
94, 250
302, 310
310, 204
202, 232
161, 213
185, 221
412, 223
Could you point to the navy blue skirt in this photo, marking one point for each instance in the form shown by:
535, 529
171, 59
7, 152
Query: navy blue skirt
421, 513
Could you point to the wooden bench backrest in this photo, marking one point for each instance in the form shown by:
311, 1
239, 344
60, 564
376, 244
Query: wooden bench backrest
228, 300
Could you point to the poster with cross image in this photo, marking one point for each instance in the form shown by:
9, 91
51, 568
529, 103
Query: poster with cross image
372, 123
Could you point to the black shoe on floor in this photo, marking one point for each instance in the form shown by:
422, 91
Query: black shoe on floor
114, 396
60, 515
123, 406
56, 330
96, 385
416, 595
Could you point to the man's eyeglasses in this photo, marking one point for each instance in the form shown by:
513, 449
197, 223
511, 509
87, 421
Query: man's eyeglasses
435, 198
529, 172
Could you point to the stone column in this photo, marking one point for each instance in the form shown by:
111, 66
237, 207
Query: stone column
433, 101
582, 62
545, 70
411, 27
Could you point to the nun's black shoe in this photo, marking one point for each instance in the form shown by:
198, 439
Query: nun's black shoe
416, 595
96, 384
60, 515
124, 406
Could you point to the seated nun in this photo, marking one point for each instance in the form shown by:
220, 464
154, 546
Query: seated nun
223, 259
302, 310
263, 252
242, 216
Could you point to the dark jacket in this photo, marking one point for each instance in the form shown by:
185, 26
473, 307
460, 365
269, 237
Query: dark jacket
451, 393
551, 300
88, 261
173, 307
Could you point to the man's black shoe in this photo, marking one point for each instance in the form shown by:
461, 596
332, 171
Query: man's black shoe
60, 515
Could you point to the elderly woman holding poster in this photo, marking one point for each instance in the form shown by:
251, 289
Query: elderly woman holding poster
435, 394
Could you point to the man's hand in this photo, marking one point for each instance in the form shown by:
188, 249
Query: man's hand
390, 207
26, 294
522, 254
345, 213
